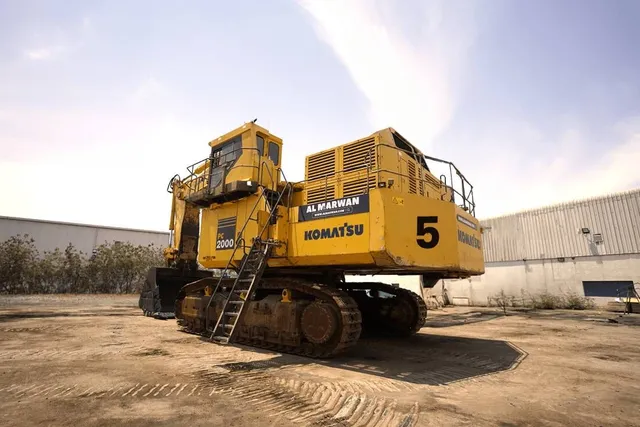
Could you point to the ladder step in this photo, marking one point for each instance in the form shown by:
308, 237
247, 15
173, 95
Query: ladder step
254, 263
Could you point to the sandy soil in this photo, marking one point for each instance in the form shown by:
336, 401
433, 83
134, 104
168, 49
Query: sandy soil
96, 361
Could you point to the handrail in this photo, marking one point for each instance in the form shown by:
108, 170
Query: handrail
195, 177
468, 201
231, 258
176, 177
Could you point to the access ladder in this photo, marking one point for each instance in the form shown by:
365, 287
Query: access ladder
249, 273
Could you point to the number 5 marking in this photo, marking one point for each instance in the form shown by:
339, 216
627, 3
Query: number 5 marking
424, 229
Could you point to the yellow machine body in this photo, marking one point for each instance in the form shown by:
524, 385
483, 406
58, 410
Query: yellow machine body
367, 207
371, 206
403, 233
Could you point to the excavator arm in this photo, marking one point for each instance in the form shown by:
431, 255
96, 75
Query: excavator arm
184, 224
158, 296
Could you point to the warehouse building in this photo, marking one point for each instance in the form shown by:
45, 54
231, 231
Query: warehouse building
49, 235
589, 247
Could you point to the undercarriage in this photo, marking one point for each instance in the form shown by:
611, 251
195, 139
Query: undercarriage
300, 316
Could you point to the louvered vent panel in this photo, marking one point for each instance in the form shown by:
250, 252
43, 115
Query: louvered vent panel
321, 194
356, 187
431, 180
358, 155
321, 165
425, 184
412, 176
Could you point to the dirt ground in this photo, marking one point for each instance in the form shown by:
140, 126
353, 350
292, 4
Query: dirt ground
97, 361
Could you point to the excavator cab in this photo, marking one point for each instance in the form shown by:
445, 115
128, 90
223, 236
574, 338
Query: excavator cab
239, 163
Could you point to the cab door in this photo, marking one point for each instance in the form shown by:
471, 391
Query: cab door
270, 152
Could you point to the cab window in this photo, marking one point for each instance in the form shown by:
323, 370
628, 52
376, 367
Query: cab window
227, 153
274, 152
260, 145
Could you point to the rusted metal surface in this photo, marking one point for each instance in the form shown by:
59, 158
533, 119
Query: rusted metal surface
319, 322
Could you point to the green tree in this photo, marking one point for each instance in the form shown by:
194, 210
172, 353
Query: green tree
115, 267
18, 257
121, 267
48, 273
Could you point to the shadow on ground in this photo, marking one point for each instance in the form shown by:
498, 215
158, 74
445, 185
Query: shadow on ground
48, 314
483, 315
602, 317
455, 319
421, 359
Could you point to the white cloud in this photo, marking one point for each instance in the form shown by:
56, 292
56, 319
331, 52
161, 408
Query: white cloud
148, 90
87, 23
51, 44
107, 166
414, 84
518, 167
45, 52
410, 86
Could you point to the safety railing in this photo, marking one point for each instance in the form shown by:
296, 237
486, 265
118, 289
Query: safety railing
466, 189
461, 192
627, 295
199, 178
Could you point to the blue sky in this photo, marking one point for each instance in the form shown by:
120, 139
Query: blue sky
102, 102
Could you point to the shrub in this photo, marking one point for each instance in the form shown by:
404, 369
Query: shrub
48, 273
113, 268
570, 300
18, 259
121, 267
575, 301
502, 301
546, 301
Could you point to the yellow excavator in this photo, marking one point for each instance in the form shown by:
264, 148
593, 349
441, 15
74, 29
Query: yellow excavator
258, 260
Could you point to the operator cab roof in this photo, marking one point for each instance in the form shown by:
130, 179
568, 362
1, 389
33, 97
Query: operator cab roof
241, 129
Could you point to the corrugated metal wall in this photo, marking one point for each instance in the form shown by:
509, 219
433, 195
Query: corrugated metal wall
49, 235
553, 231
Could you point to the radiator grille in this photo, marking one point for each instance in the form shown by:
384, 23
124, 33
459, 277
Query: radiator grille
321, 165
320, 194
412, 176
358, 154
358, 186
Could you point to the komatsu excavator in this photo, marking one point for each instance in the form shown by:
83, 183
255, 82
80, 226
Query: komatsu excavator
368, 207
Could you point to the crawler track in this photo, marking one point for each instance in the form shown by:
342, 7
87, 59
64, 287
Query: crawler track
350, 316
346, 336
378, 308
403, 315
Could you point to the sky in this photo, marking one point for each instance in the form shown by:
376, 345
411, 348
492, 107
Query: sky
102, 102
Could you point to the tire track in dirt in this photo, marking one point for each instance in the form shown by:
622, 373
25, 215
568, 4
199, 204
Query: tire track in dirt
326, 403
48, 354
124, 390
36, 329
124, 350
